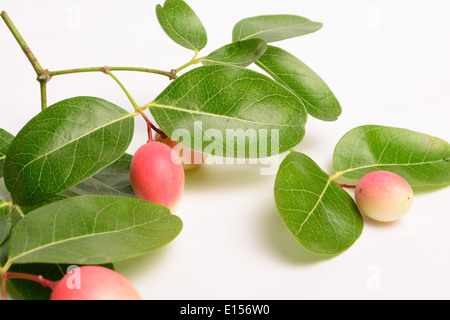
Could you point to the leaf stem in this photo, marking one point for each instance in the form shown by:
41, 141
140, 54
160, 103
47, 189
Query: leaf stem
194, 60
346, 185
16, 275
108, 72
337, 175
19, 210
7, 204
137, 108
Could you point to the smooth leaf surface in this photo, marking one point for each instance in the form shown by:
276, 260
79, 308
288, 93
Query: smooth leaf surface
274, 28
4, 252
421, 159
182, 25
5, 140
320, 214
18, 212
114, 180
238, 54
319, 100
64, 145
235, 112
5, 221
92, 230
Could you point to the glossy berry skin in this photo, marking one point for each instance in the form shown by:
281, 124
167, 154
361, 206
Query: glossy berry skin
157, 174
191, 159
94, 283
383, 196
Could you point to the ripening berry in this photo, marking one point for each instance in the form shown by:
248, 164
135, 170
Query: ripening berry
383, 196
94, 283
157, 174
191, 159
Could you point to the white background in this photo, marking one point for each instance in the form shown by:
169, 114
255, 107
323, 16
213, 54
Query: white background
388, 62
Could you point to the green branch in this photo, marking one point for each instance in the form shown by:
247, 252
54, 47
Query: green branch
25, 48
42, 75
108, 72
170, 74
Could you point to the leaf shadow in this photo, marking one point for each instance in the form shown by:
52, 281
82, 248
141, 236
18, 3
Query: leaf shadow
225, 176
427, 189
280, 241
135, 268
4, 193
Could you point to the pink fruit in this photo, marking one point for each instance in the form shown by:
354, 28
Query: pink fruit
157, 174
94, 283
191, 159
383, 196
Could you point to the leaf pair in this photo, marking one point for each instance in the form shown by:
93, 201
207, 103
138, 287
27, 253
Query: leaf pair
285, 68
184, 27
250, 38
320, 214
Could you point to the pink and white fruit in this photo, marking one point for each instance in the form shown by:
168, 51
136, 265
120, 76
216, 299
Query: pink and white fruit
94, 283
157, 174
383, 196
191, 159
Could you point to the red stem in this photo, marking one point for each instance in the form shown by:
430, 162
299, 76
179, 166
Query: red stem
151, 127
346, 185
16, 275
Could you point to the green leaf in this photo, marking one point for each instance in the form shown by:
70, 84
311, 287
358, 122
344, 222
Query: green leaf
213, 106
421, 159
18, 212
114, 180
5, 140
4, 251
65, 144
239, 53
92, 230
29, 290
321, 215
182, 25
274, 28
285, 68
5, 221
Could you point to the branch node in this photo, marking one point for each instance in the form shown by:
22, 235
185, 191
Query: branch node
44, 76
106, 70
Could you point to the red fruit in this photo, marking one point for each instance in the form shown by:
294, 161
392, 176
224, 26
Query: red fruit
383, 196
191, 159
157, 174
94, 283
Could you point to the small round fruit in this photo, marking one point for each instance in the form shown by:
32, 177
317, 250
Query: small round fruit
94, 283
157, 174
383, 196
191, 159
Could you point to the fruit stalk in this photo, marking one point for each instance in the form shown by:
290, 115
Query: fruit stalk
16, 275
